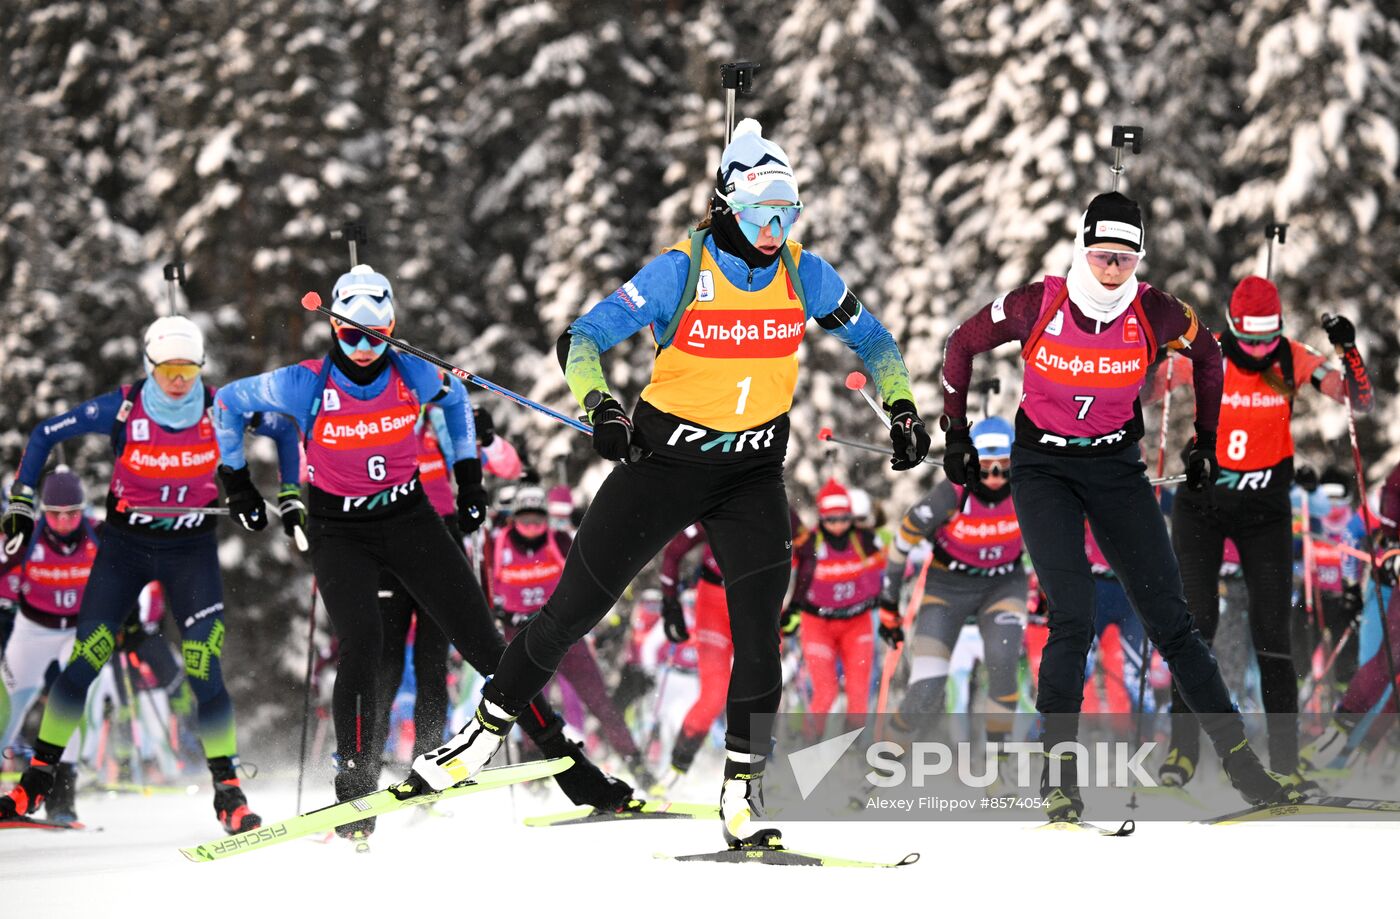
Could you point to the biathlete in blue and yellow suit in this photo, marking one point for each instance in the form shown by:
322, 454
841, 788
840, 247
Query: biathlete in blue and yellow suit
705, 444
166, 455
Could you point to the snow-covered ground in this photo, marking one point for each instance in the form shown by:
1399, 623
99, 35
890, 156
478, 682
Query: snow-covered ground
482, 860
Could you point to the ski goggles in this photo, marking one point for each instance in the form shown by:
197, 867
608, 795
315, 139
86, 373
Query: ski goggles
763, 215
1103, 258
357, 339
170, 371
996, 468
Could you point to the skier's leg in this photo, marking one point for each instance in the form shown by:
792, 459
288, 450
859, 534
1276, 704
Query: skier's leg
819, 655
1266, 559
715, 652
396, 616
857, 647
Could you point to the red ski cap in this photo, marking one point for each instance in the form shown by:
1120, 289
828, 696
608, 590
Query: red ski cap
1255, 310
833, 500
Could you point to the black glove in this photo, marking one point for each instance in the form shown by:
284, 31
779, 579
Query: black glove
18, 520
1305, 477
891, 631
1351, 601
1201, 465
291, 508
612, 431
471, 497
673, 620
1340, 331
960, 462
908, 435
245, 502
791, 620
485, 426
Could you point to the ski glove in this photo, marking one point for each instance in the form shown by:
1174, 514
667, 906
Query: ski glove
891, 631
612, 431
471, 497
1340, 331
673, 620
908, 435
18, 522
291, 508
245, 502
1351, 601
1305, 477
960, 461
792, 619
1201, 464
485, 426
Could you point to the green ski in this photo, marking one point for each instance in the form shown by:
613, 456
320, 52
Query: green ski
635, 810
371, 805
1326, 806
766, 848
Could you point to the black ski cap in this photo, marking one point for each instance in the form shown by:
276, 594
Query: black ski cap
1114, 218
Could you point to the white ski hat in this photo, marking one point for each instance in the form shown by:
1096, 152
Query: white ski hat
174, 338
364, 295
753, 169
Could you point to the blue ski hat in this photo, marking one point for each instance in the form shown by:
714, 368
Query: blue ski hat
753, 169
364, 295
992, 437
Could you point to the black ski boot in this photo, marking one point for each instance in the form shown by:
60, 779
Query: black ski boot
355, 776
1178, 769
230, 804
61, 805
1256, 784
584, 783
1063, 802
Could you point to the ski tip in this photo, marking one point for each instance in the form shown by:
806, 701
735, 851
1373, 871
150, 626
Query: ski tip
855, 380
196, 855
909, 859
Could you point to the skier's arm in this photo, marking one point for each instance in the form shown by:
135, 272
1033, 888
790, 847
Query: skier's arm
805, 550
1310, 366
838, 312
96, 416
650, 298
919, 524
290, 391
283, 432
671, 558
1177, 328
1390, 504
1010, 317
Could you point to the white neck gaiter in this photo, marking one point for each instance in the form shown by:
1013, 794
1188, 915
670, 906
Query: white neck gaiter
1093, 299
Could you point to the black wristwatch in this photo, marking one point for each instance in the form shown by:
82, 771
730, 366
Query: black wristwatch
593, 400
947, 422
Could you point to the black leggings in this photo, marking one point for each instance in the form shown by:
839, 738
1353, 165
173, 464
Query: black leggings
348, 557
636, 512
1261, 526
1053, 496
